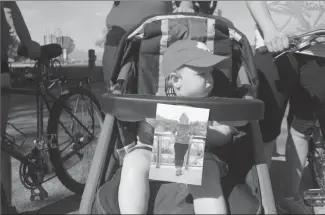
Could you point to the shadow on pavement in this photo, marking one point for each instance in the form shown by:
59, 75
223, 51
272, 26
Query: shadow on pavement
63, 206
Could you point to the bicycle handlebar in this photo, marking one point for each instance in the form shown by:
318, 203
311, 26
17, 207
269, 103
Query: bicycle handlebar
299, 42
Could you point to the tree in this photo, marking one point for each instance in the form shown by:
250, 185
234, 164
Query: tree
101, 41
13, 47
68, 44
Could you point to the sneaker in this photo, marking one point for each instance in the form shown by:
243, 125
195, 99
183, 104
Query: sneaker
294, 205
178, 172
181, 172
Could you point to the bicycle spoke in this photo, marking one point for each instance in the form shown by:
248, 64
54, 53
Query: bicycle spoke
91, 113
75, 111
66, 146
77, 120
70, 154
65, 130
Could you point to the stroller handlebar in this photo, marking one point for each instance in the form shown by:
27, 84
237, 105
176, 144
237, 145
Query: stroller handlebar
299, 42
133, 107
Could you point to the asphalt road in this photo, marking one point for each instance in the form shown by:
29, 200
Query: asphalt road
61, 200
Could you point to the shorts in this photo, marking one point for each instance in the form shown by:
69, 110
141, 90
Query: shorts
294, 79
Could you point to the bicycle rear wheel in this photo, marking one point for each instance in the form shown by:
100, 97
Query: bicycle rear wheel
78, 119
316, 159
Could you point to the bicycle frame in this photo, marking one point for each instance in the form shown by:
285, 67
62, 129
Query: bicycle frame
41, 94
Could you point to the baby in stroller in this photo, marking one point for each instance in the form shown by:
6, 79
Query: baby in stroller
187, 67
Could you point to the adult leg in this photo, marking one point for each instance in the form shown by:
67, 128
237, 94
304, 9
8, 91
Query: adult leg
276, 85
307, 102
307, 98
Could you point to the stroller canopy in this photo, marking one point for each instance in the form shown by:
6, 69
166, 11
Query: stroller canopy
146, 44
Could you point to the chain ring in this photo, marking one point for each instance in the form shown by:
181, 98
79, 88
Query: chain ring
27, 176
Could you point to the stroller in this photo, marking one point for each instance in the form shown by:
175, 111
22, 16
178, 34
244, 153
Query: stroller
138, 86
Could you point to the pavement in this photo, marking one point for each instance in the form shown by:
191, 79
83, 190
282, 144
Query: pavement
62, 201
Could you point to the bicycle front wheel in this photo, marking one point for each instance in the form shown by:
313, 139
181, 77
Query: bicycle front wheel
73, 130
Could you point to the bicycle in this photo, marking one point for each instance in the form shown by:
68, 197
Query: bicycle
36, 167
307, 44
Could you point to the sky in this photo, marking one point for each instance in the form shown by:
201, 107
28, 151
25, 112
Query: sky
237, 12
174, 112
84, 21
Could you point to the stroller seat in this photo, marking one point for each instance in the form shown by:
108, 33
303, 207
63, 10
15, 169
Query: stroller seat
141, 86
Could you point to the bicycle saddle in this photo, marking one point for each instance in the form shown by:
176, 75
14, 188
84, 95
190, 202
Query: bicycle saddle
48, 52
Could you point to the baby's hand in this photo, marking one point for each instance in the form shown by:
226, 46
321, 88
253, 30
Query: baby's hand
218, 134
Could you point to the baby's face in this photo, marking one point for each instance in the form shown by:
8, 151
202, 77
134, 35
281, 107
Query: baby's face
195, 81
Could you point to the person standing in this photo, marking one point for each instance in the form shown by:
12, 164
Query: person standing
182, 138
124, 15
293, 77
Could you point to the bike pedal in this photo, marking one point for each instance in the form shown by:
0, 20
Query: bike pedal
39, 192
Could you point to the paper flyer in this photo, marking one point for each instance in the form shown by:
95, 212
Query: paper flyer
179, 142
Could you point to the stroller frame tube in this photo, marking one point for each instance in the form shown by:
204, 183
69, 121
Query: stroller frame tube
261, 167
263, 174
97, 166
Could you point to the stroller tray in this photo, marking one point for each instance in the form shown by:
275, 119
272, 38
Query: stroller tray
134, 107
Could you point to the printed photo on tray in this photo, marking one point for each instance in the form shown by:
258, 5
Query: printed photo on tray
179, 141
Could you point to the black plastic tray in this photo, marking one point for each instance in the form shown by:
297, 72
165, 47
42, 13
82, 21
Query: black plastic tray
134, 107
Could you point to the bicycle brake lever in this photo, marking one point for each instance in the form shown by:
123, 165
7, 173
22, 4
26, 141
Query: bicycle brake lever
290, 50
298, 46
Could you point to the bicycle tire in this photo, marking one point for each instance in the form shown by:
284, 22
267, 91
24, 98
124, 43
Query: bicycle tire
53, 125
317, 174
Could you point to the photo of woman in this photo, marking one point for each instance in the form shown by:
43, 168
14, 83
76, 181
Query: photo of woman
182, 134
